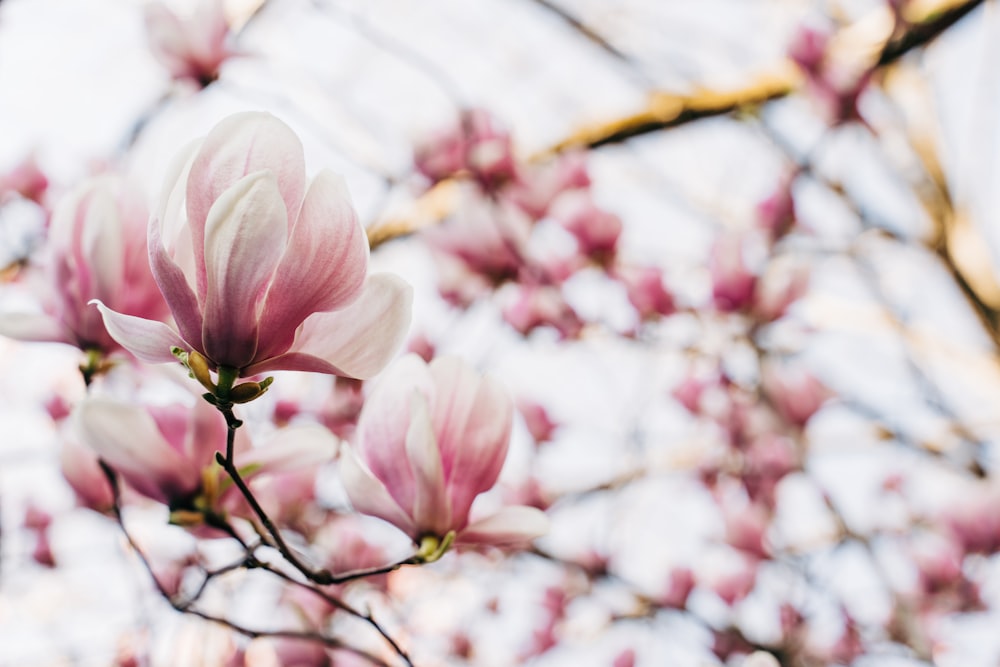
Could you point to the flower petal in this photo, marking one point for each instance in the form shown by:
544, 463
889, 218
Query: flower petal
292, 448
323, 267
431, 510
175, 287
127, 438
244, 238
357, 341
510, 526
239, 145
148, 340
368, 495
385, 423
472, 417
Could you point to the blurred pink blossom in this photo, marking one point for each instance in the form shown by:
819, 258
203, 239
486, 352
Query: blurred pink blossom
477, 144
82, 472
595, 229
261, 273
732, 280
430, 439
192, 48
784, 283
539, 186
795, 392
646, 290
680, 583
167, 453
624, 659
26, 180
540, 425
536, 306
97, 250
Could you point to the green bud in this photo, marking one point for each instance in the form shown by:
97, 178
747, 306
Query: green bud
248, 391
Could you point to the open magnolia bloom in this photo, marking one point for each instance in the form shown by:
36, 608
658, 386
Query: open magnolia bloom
96, 250
167, 453
261, 272
429, 440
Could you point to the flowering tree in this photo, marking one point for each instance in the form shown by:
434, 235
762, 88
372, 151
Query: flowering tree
645, 361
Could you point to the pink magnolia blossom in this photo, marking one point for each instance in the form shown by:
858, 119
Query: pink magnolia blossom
489, 239
732, 280
477, 145
167, 453
80, 468
794, 391
784, 283
97, 250
536, 306
646, 291
538, 186
191, 48
595, 229
262, 273
26, 180
430, 439
540, 425
678, 588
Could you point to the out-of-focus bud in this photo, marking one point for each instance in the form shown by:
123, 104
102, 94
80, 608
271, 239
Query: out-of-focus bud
680, 583
192, 48
421, 346
795, 392
536, 306
624, 659
25, 180
536, 418
646, 290
785, 282
595, 229
477, 145
538, 187
733, 281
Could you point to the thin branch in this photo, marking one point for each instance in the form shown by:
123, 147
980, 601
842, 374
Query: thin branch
253, 633
925, 31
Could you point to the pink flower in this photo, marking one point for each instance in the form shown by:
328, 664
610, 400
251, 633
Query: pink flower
732, 280
595, 229
794, 391
167, 453
430, 439
25, 180
97, 250
535, 306
191, 48
477, 144
80, 468
646, 291
784, 283
261, 273
536, 418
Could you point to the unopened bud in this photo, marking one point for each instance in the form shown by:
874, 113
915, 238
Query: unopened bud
198, 365
248, 391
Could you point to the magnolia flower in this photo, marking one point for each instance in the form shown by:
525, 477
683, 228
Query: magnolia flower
795, 392
191, 48
430, 439
262, 273
595, 229
167, 453
733, 282
97, 250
